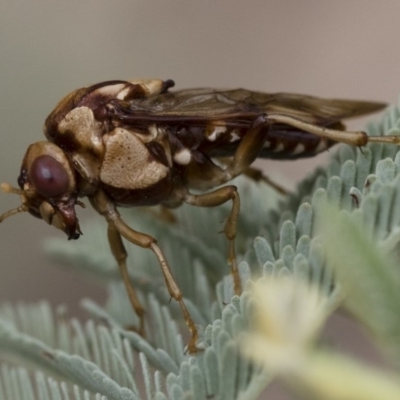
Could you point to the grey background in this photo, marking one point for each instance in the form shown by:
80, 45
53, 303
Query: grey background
346, 49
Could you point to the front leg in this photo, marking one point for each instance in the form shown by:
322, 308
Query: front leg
117, 228
120, 255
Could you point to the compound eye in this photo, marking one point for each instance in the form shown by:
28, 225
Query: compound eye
49, 177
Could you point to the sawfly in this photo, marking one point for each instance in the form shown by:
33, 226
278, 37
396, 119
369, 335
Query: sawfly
136, 143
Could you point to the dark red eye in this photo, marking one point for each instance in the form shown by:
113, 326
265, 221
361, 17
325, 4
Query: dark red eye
49, 177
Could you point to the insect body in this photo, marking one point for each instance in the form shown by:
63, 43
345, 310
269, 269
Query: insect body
135, 143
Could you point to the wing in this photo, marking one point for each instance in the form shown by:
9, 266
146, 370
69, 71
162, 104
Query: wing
239, 106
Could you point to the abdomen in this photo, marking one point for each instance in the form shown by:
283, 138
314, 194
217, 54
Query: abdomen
282, 143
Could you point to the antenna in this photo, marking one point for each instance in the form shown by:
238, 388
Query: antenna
7, 188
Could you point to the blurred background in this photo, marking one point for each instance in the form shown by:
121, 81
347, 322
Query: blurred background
332, 49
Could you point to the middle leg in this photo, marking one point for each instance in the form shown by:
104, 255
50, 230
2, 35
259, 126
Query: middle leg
244, 156
216, 198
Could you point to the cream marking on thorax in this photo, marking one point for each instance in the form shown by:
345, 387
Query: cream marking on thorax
183, 157
218, 131
153, 130
123, 93
152, 133
126, 162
